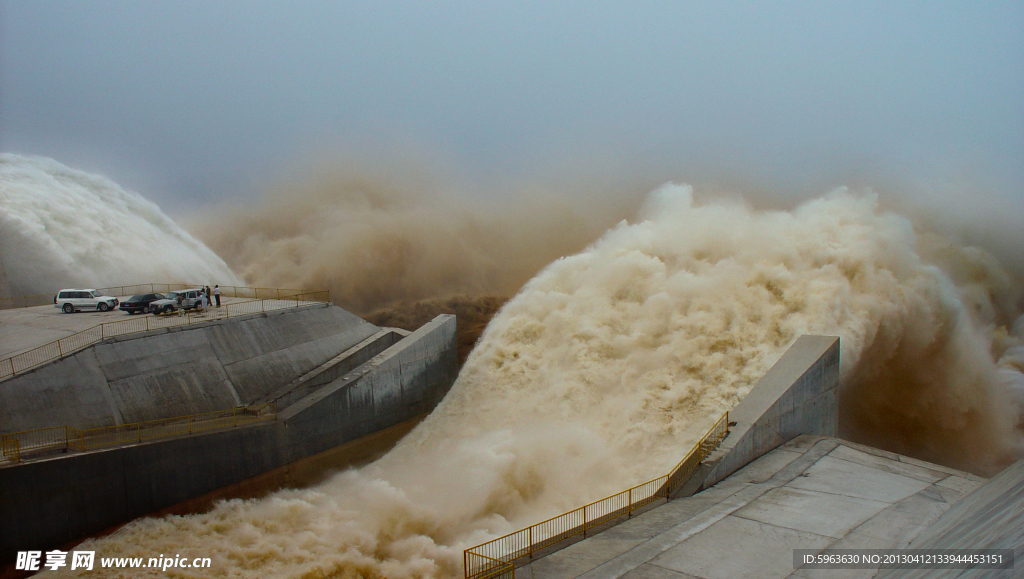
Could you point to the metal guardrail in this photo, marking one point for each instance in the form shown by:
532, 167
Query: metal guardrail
14, 444
69, 344
494, 558
230, 291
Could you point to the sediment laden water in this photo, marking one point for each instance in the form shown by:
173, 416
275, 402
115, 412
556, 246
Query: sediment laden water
608, 364
60, 228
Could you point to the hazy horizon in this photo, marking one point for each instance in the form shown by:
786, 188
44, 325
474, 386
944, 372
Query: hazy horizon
191, 103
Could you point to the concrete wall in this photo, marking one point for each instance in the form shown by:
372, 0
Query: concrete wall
334, 368
797, 396
407, 379
178, 371
991, 517
50, 502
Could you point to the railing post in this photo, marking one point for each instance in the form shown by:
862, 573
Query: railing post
529, 536
138, 431
234, 417
60, 349
629, 509
189, 421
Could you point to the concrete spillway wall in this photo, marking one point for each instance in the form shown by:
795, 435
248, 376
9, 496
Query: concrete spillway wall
797, 396
178, 371
991, 517
51, 502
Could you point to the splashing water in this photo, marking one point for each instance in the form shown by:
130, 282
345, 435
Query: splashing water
608, 364
60, 227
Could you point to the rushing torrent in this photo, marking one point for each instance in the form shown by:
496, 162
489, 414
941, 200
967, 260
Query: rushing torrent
608, 364
60, 227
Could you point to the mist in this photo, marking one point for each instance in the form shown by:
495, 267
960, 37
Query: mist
610, 360
194, 103
61, 227
851, 169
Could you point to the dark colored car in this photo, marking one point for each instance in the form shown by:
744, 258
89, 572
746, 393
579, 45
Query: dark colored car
140, 303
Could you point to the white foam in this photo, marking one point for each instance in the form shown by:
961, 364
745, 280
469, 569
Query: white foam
60, 227
608, 365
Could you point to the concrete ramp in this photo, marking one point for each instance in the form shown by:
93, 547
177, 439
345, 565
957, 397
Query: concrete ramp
50, 501
813, 492
991, 517
179, 371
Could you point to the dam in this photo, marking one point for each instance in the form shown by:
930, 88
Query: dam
142, 421
199, 411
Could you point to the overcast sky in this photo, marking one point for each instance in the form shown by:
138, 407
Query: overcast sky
188, 102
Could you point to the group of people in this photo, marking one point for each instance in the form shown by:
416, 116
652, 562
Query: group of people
208, 296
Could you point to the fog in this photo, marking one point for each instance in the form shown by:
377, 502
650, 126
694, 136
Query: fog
611, 360
193, 102
856, 171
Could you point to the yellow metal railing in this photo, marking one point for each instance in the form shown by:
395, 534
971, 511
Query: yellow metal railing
230, 291
14, 444
69, 344
494, 558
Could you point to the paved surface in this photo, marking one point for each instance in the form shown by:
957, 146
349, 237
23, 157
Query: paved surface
812, 493
181, 370
991, 518
22, 329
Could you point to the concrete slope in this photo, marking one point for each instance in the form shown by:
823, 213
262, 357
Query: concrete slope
178, 371
991, 517
406, 379
48, 502
813, 492
334, 368
796, 396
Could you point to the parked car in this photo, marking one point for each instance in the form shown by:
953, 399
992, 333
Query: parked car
140, 303
71, 300
182, 299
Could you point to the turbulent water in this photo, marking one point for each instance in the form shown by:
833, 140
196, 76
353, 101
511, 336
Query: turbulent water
377, 235
60, 227
609, 363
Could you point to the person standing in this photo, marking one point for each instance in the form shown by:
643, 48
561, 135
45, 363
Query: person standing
216, 294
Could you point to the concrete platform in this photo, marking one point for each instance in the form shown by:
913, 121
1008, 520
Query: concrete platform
813, 492
992, 517
22, 329
180, 370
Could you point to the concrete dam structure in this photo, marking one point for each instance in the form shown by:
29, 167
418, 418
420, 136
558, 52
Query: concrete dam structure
782, 480
330, 376
181, 370
779, 480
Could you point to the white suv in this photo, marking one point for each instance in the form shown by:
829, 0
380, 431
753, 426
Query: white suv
70, 300
184, 299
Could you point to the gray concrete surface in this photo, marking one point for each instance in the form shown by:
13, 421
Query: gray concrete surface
22, 329
991, 517
813, 492
334, 368
50, 502
179, 371
796, 396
